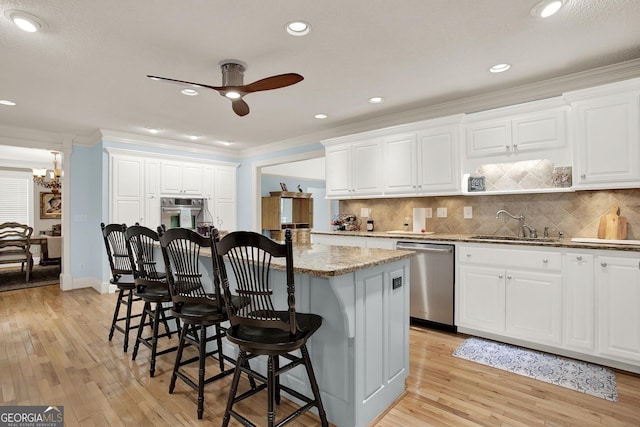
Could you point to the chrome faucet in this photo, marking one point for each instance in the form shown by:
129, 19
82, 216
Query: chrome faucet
520, 218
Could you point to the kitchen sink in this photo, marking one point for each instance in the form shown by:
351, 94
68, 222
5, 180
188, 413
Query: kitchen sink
516, 238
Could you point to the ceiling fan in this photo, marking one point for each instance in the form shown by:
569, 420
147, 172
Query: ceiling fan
233, 87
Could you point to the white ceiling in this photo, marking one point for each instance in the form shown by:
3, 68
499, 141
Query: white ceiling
86, 70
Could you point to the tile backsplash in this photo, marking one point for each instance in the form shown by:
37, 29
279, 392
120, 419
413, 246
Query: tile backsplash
577, 214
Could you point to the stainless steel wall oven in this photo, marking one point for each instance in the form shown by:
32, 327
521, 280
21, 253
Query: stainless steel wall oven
180, 211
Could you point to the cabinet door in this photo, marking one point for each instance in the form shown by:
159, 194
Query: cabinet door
400, 164
534, 306
578, 302
366, 168
127, 199
170, 177
192, 179
152, 194
607, 140
481, 302
225, 197
618, 290
438, 160
338, 170
488, 138
539, 131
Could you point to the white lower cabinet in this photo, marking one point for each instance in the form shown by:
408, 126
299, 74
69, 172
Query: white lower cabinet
515, 293
579, 302
618, 304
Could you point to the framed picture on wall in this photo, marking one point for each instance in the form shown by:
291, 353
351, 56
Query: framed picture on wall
50, 205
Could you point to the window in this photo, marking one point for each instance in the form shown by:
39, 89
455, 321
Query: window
15, 201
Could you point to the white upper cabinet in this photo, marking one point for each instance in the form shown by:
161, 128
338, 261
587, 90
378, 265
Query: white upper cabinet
534, 130
353, 169
180, 178
607, 122
422, 163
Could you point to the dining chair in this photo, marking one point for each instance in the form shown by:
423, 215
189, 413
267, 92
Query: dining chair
198, 307
151, 285
15, 246
121, 276
258, 327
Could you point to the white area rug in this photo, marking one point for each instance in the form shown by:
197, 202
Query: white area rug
587, 378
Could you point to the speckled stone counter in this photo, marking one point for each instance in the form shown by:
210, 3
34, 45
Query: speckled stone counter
327, 261
470, 238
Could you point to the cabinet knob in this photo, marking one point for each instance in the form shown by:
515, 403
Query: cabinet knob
583, 176
468, 255
603, 264
545, 261
500, 276
507, 147
509, 277
579, 258
515, 147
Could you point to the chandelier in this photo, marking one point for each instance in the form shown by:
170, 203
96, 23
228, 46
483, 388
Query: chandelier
51, 181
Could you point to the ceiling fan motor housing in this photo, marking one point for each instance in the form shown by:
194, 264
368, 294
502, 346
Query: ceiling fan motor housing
232, 74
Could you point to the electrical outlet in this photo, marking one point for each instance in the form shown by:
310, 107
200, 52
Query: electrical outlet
428, 213
365, 212
441, 212
468, 212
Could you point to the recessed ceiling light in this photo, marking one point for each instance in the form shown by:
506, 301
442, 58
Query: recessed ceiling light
546, 8
298, 28
193, 137
376, 100
24, 21
7, 102
189, 92
321, 116
153, 130
227, 143
499, 68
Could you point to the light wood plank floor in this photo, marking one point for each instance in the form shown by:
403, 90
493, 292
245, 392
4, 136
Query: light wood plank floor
54, 351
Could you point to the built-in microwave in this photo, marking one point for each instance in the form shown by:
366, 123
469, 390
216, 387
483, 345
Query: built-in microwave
180, 211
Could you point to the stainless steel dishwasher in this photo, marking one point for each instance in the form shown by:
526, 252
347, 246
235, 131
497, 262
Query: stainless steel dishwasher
432, 284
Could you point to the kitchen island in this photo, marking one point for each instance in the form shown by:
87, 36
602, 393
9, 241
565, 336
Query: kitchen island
360, 353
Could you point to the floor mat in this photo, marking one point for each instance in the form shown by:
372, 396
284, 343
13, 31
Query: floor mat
11, 280
585, 377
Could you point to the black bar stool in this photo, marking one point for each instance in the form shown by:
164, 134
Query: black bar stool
258, 328
121, 276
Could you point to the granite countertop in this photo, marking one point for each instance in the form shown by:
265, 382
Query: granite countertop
632, 245
329, 260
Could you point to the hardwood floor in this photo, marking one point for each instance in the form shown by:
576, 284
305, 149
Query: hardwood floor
54, 351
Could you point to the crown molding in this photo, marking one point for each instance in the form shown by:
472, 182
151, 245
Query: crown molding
169, 144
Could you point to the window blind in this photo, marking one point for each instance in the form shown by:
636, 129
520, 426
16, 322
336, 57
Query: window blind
14, 197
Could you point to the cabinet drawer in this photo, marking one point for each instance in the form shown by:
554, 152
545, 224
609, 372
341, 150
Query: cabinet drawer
513, 258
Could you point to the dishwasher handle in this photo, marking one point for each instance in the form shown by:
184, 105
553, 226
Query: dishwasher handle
423, 249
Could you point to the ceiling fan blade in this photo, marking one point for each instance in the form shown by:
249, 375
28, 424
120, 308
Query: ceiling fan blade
240, 107
273, 82
182, 82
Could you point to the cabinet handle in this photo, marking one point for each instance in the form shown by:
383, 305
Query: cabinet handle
500, 276
515, 147
507, 147
603, 264
545, 261
579, 258
583, 176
